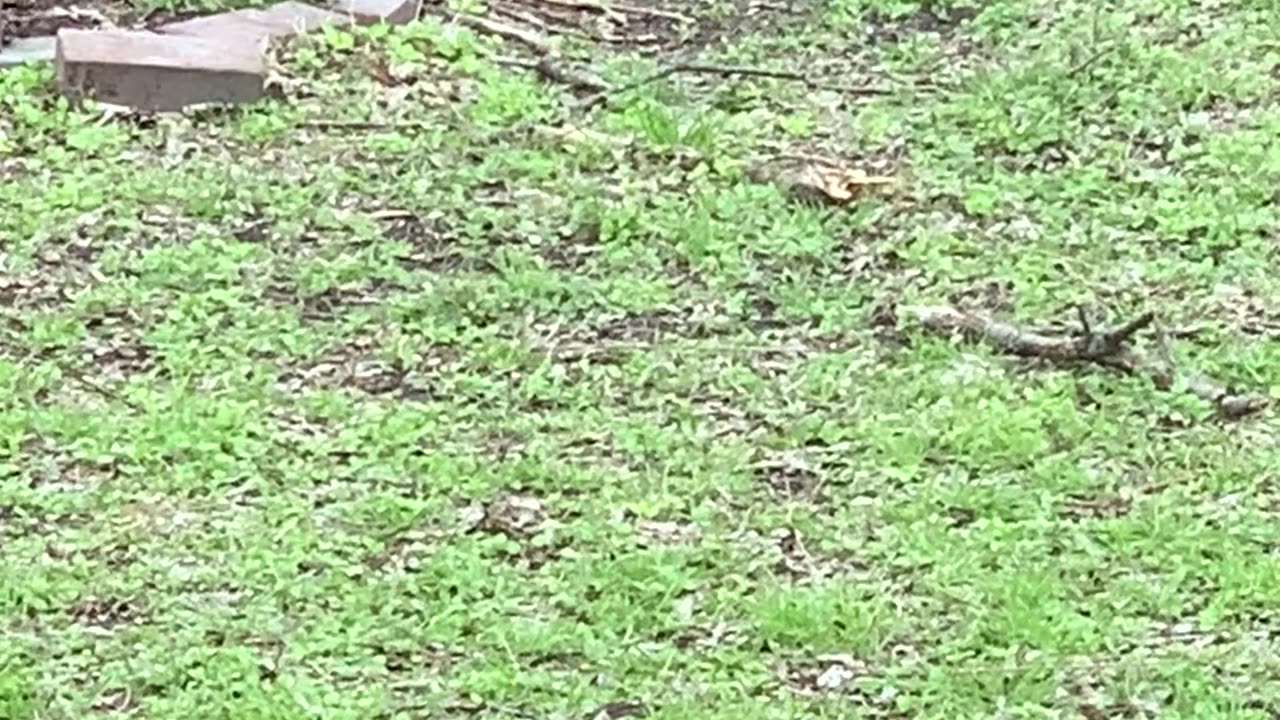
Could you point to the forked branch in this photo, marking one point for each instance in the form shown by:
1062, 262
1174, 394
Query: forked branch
1108, 347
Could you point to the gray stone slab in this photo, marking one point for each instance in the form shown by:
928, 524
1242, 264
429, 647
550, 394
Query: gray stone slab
281, 20
20, 51
370, 12
149, 71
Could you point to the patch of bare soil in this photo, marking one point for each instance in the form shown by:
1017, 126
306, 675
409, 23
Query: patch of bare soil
646, 26
39, 18
788, 477
106, 613
34, 18
928, 18
840, 675
752, 17
354, 366
632, 25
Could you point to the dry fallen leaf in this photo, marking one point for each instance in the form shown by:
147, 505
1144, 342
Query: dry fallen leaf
817, 179
381, 71
513, 515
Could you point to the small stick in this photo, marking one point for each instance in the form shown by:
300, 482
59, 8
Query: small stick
556, 72
534, 41
1084, 321
390, 214
1090, 60
572, 31
365, 125
546, 65
1113, 340
731, 70
619, 9
523, 17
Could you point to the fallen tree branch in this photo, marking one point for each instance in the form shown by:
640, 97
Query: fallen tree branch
729, 71
1110, 348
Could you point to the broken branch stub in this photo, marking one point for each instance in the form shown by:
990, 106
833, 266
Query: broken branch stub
1109, 348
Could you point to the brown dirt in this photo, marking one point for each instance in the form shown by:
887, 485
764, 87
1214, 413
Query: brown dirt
36, 18
656, 27
941, 21
32, 18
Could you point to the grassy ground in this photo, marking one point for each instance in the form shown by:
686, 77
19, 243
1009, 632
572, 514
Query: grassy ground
419, 393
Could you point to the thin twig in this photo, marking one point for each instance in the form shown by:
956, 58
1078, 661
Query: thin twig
522, 16
533, 40
1085, 329
732, 70
558, 72
547, 65
555, 347
365, 124
807, 157
1089, 60
390, 214
541, 24
1109, 343
1113, 341
619, 9
1162, 346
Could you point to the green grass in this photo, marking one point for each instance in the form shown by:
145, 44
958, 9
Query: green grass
444, 399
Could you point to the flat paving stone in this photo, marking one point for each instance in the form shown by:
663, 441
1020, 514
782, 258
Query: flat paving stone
149, 71
281, 20
371, 12
20, 51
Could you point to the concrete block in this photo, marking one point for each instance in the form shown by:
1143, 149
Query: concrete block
149, 71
